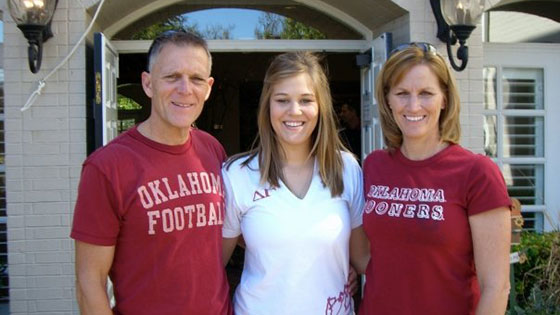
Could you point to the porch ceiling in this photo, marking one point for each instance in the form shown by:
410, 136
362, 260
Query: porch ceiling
120, 19
545, 8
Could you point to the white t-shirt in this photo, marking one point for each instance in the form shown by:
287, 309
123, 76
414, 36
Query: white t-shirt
297, 250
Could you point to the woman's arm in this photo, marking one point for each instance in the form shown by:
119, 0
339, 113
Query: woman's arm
491, 235
359, 249
228, 245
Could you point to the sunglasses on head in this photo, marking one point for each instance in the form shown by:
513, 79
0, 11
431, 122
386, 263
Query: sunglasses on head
426, 47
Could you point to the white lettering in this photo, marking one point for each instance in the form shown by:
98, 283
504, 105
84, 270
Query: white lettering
212, 218
439, 197
183, 191
405, 192
206, 187
171, 194
152, 215
195, 183
409, 211
381, 208
200, 215
216, 184
167, 216
221, 210
437, 213
145, 198
189, 210
179, 215
394, 194
154, 186
423, 211
414, 194
395, 210
369, 206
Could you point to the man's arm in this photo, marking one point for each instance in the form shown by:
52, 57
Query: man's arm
92, 267
228, 245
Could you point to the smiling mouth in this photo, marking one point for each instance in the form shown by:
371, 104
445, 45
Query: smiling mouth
294, 123
183, 105
414, 118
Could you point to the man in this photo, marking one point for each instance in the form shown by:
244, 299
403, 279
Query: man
351, 134
150, 203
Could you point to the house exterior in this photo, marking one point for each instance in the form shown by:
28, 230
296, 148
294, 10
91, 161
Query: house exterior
509, 94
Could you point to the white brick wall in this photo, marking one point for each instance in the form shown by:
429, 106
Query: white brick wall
43, 158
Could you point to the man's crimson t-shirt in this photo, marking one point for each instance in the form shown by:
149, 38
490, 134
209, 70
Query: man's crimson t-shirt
162, 207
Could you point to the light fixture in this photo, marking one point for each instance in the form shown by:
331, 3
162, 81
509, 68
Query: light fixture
456, 19
33, 18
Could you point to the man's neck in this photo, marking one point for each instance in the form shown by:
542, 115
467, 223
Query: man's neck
176, 136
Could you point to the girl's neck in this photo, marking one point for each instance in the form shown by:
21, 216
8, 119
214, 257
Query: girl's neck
296, 156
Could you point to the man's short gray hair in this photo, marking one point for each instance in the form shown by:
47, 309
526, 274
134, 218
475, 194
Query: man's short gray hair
179, 38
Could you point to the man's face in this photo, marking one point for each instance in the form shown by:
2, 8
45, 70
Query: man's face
345, 113
178, 84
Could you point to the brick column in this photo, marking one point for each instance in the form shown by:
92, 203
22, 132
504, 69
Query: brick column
44, 149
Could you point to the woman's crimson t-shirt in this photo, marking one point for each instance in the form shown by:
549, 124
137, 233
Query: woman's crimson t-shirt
416, 219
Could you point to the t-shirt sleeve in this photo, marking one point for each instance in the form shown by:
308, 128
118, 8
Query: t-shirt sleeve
486, 187
232, 222
96, 219
353, 176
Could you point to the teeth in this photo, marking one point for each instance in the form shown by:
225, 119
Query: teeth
181, 104
414, 118
293, 123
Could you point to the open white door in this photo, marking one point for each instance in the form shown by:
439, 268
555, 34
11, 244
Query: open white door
106, 68
370, 62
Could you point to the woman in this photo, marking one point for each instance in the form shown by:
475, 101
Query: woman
436, 215
296, 199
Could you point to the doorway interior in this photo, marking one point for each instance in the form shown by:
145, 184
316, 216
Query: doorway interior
230, 112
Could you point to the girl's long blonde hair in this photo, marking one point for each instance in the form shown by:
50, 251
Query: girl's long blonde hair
326, 144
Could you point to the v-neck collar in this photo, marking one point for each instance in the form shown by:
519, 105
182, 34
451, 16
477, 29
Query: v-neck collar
314, 176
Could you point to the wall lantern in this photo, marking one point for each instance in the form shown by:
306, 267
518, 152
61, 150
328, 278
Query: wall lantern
33, 18
456, 19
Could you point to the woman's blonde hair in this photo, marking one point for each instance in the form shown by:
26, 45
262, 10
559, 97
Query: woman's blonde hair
326, 144
393, 72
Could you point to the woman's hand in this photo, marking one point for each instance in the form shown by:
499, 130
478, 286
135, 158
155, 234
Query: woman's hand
352, 281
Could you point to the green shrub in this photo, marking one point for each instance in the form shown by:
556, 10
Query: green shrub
537, 280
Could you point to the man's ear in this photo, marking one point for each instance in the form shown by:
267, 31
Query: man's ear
147, 84
210, 83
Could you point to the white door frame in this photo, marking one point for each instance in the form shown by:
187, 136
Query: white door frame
106, 64
276, 45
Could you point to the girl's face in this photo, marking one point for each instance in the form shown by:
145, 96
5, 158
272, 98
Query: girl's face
294, 111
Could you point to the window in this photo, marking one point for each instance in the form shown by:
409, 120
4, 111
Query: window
514, 119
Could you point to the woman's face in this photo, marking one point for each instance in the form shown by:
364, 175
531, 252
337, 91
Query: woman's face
294, 111
416, 103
